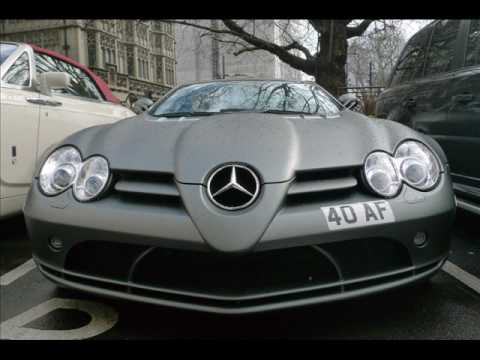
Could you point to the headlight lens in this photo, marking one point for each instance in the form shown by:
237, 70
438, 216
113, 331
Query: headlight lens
412, 163
381, 174
65, 168
418, 165
59, 171
92, 178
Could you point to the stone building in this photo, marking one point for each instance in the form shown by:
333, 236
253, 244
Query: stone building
201, 57
132, 56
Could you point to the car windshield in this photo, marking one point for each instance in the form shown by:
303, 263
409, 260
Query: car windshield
278, 97
5, 51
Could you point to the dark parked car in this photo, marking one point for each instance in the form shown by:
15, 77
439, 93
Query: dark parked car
242, 196
435, 88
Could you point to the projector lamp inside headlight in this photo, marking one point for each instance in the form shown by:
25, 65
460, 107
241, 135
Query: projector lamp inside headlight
59, 170
381, 174
64, 168
413, 163
92, 179
418, 165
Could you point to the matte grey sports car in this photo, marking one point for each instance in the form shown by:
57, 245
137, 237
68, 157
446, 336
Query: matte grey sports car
242, 196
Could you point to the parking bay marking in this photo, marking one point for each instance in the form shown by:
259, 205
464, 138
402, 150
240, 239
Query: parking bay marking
461, 275
103, 318
17, 273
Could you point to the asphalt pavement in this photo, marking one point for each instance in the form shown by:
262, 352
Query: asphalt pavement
447, 307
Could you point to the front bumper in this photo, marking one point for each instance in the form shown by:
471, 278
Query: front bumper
155, 254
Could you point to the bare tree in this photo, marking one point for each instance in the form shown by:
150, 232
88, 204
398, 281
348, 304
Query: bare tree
371, 58
317, 48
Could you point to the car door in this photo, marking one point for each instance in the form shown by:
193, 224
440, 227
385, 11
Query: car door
461, 136
19, 124
431, 99
69, 110
397, 102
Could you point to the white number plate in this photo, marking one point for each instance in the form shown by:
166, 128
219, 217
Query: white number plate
358, 214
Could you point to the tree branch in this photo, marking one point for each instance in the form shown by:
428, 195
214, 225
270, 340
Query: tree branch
246, 49
359, 29
207, 28
306, 65
318, 24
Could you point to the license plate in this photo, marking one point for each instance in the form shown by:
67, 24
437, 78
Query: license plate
358, 214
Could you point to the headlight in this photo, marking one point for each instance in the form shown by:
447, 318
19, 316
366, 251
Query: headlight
412, 163
65, 168
418, 165
60, 170
381, 174
92, 178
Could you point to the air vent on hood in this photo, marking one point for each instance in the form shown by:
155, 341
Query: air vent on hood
308, 184
138, 186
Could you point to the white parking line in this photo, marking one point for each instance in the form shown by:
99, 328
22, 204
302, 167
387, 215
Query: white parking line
17, 273
462, 276
103, 318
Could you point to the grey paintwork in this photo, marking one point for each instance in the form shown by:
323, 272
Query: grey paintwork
446, 106
262, 227
277, 147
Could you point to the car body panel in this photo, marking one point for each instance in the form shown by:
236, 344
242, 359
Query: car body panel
279, 147
155, 234
29, 127
58, 122
447, 108
18, 140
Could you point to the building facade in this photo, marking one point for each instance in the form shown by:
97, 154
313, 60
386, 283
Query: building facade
132, 56
201, 57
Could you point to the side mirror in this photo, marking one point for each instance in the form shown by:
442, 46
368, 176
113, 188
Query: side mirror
351, 102
142, 105
53, 80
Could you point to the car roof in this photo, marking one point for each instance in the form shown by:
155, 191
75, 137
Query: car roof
103, 87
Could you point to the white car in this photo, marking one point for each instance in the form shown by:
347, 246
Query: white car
44, 97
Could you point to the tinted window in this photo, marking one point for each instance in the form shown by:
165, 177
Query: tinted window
473, 45
254, 96
410, 65
5, 51
19, 72
441, 50
81, 84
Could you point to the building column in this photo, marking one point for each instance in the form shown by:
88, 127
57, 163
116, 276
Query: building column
135, 62
164, 71
99, 57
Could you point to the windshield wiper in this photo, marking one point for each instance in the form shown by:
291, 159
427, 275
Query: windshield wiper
185, 113
235, 110
274, 111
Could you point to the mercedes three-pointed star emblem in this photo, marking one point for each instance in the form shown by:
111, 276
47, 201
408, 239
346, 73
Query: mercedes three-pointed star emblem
233, 187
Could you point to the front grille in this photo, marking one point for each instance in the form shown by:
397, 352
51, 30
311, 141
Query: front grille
234, 275
203, 276
146, 187
321, 185
312, 186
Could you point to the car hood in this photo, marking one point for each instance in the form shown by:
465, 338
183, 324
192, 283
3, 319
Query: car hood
277, 146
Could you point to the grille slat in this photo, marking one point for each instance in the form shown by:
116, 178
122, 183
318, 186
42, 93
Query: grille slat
140, 184
142, 187
322, 185
314, 186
